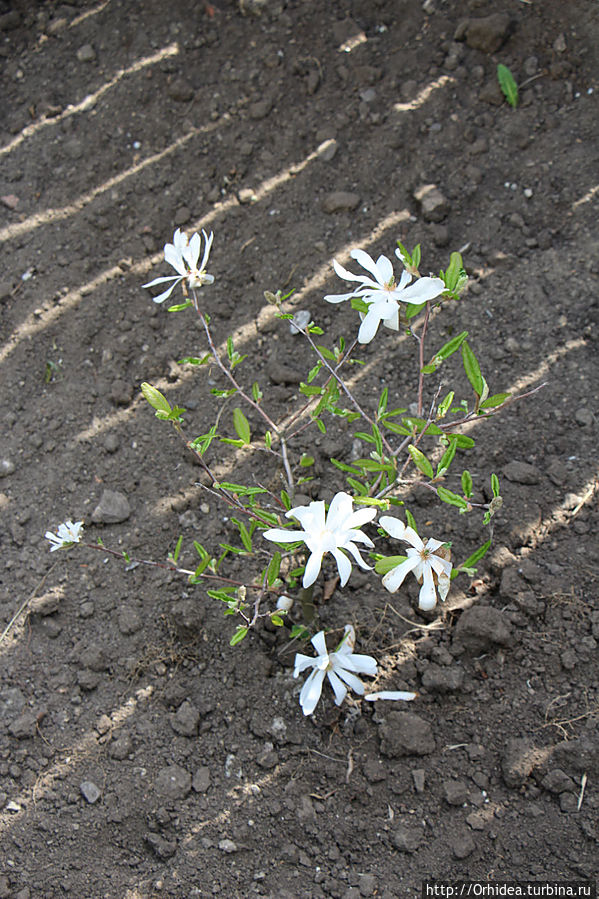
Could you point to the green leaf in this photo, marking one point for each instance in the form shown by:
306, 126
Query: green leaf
411, 521
299, 632
359, 305
179, 306
175, 555
306, 461
268, 440
239, 635
495, 484
385, 564
473, 559
508, 85
155, 398
455, 277
412, 309
467, 483
315, 329
452, 499
256, 392
276, 619
416, 255
343, 467
450, 347
420, 461
285, 500
472, 369
274, 567
383, 402
328, 354
372, 501
445, 404
428, 369
447, 458
314, 371
359, 488
216, 391
244, 534
308, 390
242, 426
493, 401
463, 442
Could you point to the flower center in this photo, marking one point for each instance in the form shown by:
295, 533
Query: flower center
389, 285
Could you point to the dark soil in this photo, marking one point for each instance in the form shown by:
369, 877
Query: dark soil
140, 755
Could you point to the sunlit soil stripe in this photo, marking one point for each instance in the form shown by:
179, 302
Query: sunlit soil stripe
91, 99
90, 12
72, 756
49, 216
424, 94
590, 195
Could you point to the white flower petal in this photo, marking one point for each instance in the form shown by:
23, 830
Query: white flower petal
354, 662
313, 566
350, 679
207, 246
162, 280
319, 643
174, 257
444, 582
394, 526
367, 262
423, 289
339, 688
393, 580
340, 510
428, 595
344, 566
164, 296
391, 694
369, 326
353, 549
339, 297
280, 535
301, 663
310, 693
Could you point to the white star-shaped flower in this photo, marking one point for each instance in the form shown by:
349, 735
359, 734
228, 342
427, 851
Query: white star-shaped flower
424, 560
381, 292
67, 534
183, 255
334, 532
339, 667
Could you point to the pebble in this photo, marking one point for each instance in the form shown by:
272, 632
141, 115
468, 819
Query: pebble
227, 846
481, 628
160, 846
486, 34
89, 791
433, 203
557, 781
201, 780
280, 373
113, 508
129, 621
188, 617
522, 472
340, 201
455, 792
246, 196
519, 758
180, 90
437, 679
418, 776
330, 150
300, 320
122, 747
462, 845
173, 782
26, 724
7, 466
86, 53
186, 720
111, 443
584, 417
260, 109
404, 733
406, 838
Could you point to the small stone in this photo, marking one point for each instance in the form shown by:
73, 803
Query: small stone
559, 44
182, 215
477, 821
160, 846
519, 759
374, 770
330, 150
403, 733
113, 508
26, 725
180, 90
188, 617
568, 803
418, 776
568, 660
87, 609
11, 201
522, 472
486, 34
437, 679
511, 584
173, 782
433, 204
45, 605
455, 792
89, 791
246, 196
406, 838
111, 442
340, 201
462, 844
201, 780
129, 621
584, 417
7, 466
557, 781
86, 53
280, 373
367, 884
227, 846
122, 747
260, 109
88, 680
121, 393
268, 757
186, 720
481, 628
300, 320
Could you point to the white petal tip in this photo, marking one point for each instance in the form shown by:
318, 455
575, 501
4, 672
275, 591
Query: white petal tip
391, 694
